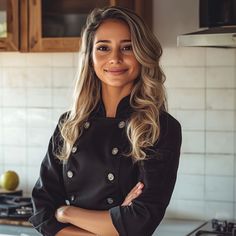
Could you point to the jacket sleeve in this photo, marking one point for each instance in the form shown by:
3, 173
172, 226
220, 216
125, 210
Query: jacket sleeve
48, 193
158, 173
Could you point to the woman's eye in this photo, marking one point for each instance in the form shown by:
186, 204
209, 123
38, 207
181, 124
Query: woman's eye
127, 48
102, 48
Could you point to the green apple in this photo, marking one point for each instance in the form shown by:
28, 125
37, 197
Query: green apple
9, 180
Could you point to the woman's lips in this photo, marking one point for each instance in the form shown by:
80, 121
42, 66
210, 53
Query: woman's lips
116, 71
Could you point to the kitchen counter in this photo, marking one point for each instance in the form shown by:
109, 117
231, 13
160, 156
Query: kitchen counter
9, 230
168, 227
175, 227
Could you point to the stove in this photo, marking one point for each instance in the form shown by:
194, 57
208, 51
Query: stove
215, 227
12, 206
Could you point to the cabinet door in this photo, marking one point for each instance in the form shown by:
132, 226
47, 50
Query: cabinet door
55, 25
141, 7
9, 25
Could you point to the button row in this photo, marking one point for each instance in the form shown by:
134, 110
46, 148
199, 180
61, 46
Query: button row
110, 176
72, 198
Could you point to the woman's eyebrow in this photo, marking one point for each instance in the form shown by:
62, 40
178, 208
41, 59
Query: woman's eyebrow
109, 41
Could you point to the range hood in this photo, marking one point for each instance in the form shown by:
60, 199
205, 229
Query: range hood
217, 19
212, 37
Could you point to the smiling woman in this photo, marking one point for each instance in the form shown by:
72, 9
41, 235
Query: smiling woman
112, 161
114, 61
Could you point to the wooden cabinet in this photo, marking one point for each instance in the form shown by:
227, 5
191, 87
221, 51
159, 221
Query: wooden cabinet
55, 25
9, 25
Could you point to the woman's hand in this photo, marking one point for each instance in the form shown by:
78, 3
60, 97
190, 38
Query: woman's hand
61, 214
134, 193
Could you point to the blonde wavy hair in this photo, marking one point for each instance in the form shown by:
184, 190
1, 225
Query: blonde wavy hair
148, 94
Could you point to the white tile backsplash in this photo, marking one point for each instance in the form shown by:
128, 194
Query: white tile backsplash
1, 157
191, 119
184, 57
39, 97
63, 77
220, 120
14, 97
38, 137
223, 99
15, 155
13, 59
193, 142
186, 98
187, 209
220, 57
14, 136
61, 97
192, 164
220, 165
62, 59
36, 88
219, 210
39, 60
220, 142
185, 183
32, 176
220, 77
185, 77
14, 117
219, 188
13, 77
39, 77
39, 117
35, 155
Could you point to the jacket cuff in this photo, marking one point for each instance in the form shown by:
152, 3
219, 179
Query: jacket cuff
47, 227
116, 217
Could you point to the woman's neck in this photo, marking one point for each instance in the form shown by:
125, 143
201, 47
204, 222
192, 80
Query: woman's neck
111, 98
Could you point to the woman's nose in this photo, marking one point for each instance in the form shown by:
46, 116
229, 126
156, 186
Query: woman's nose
115, 57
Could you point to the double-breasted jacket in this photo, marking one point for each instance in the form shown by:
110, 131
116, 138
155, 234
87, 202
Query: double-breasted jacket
98, 175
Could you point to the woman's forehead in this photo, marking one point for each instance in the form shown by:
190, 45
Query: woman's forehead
113, 28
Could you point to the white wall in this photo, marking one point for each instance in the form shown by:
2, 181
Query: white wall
35, 88
201, 85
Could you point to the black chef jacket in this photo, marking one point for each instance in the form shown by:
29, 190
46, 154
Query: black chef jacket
98, 175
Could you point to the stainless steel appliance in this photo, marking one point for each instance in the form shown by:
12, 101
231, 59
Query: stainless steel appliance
215, 227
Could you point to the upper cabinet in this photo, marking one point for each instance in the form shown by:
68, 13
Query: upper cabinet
9, 25
53, 25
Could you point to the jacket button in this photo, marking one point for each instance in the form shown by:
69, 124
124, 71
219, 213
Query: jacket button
67, 202
86, 125
72, 198
74, 149
110, 200
121, 124
114, 151
110, 177
69, 174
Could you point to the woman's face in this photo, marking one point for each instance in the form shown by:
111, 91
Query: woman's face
112, 55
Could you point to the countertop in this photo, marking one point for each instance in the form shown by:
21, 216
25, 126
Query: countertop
176, 227
168, 227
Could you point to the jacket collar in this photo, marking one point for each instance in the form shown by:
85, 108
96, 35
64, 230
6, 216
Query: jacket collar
123, 109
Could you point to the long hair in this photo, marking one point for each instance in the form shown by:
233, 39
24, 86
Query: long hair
147, 97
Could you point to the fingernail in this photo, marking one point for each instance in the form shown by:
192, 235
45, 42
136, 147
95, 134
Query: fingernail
140, 186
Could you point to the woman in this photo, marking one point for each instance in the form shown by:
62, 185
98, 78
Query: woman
112, 161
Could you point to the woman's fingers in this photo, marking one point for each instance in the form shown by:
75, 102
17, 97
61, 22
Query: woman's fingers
134, 193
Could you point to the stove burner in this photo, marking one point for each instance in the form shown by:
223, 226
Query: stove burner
215, 227
12, 206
